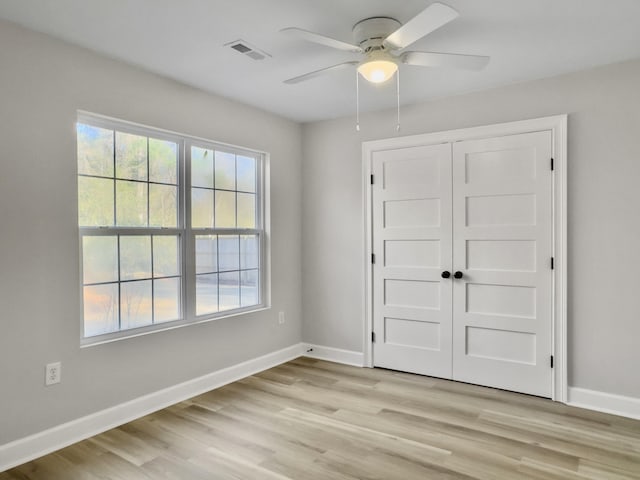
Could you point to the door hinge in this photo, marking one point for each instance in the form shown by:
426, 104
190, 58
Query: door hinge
373, 337
552, 164
373, 258
371, 179
551, 361
552, 263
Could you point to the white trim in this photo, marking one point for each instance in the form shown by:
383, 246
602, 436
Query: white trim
604, 402
558, 126
560, 337
34, 446
367, 197
347, 357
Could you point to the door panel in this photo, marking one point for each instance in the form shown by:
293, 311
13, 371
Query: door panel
412, 242
502, 221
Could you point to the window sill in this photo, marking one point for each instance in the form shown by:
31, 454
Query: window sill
143, 331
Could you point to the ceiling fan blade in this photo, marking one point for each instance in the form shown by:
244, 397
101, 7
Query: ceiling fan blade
317, 73
321, 39
450, 60
430, 19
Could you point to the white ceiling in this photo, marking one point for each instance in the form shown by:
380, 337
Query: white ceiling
183, 40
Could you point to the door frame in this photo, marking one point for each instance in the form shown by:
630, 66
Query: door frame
558, 126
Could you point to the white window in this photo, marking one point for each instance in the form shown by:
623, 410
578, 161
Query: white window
171, 229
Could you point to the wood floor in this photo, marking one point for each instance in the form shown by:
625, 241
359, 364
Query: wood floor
310, 419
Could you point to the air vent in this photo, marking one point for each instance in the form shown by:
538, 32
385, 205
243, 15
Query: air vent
247, 49
241, 47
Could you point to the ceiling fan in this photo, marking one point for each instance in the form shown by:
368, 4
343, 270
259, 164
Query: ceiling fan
379, 40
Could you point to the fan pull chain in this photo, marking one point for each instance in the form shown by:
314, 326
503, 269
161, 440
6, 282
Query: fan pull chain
357, 101
398, 96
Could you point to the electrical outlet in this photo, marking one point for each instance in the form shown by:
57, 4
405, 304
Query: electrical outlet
53, 373
280, 318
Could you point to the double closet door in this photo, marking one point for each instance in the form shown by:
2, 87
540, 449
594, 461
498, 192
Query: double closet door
462, 283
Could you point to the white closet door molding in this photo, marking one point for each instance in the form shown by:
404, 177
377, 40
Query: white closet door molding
495, 244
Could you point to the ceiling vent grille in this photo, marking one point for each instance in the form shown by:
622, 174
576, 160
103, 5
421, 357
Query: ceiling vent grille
247, 49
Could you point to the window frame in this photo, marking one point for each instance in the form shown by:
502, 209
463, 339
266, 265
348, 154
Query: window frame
192, 232
184, 232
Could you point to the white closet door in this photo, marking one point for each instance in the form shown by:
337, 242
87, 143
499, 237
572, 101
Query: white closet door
412, 245
502, 230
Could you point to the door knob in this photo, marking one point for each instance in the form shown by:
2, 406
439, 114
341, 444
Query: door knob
458, 274
445, 274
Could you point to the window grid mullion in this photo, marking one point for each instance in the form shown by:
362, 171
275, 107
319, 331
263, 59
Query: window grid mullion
213, 170
214, 224
153, 284
115, 191
97, 284
235, 195
239, 266
132, 180
217, 273
148, 188
119, 288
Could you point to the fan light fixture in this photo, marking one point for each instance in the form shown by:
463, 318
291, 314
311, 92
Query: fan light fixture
382, 42
377, 70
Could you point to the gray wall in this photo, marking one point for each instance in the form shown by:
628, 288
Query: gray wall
42, 84
603, 220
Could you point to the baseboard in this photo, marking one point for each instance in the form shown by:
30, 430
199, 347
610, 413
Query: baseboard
604, 402
348, 357
34, 446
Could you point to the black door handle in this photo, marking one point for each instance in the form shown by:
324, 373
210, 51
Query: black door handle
458, 274
445, 274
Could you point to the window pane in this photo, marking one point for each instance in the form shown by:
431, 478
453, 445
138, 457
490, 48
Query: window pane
225, 209
99, 259
165, 256
100, 309
201, 208
249, 249
131, 204
229, 290
249, 293
95, 150
206, 253
135, 257
228, 252
163, 206
246, 174
131, 156
206, 294
95, 202
225, 170
246, 210
166, 300
135, 304
201, 167
163, 161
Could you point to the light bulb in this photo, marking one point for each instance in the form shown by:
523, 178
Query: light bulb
377, 71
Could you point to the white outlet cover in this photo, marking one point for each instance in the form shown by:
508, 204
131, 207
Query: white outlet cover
281, 317
53, 373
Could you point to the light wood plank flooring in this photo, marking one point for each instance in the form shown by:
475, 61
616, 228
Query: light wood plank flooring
310, 419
